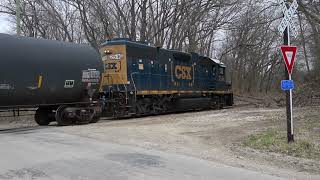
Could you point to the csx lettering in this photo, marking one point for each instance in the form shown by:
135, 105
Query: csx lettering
183, 72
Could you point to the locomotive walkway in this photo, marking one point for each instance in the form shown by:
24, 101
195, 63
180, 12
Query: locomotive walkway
50, 153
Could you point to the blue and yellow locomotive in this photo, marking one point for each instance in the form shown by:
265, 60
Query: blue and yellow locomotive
139, 79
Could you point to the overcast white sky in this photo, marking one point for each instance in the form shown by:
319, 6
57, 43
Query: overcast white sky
5, 25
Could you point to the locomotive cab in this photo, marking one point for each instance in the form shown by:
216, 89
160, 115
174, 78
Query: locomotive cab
220, 80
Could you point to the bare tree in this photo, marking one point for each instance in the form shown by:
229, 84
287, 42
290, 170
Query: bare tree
240, 33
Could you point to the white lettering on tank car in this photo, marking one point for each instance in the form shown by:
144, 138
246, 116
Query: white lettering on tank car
91, 76
6, 87
69, 84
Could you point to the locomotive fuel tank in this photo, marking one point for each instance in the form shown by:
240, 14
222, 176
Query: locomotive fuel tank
38, 72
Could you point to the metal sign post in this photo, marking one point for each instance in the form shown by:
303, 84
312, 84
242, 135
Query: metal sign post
285, 26
290, 135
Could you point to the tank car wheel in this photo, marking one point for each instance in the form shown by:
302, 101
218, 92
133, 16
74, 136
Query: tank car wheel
42, 116
61, 118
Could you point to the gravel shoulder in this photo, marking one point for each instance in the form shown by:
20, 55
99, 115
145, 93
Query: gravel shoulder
211, 135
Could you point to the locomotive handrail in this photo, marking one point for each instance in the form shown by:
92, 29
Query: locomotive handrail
161, 75
125, 87
134, 85
155, 75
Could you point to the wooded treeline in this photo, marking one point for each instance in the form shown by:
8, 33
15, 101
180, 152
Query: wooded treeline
241, 33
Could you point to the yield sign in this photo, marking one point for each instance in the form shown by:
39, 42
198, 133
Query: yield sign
289, 54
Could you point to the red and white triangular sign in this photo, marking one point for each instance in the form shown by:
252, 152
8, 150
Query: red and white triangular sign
289, 55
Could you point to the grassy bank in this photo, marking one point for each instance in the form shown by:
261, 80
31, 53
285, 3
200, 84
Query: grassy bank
307, 136
275, 141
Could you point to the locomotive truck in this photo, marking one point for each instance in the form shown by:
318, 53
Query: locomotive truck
72, 83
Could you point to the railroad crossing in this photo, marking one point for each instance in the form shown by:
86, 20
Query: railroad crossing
287, 19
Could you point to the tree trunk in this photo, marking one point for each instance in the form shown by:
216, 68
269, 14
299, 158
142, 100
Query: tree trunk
304, 43
143, 21
133, 35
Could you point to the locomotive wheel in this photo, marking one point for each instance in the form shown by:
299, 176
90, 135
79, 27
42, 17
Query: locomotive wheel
42, 116
142, 107
165, 107
61, 118
95, 119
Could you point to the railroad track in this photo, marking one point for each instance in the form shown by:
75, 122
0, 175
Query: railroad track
30, 129
6, 113
23, 129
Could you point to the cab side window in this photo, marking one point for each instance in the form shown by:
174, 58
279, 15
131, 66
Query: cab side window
214, 69
221, 71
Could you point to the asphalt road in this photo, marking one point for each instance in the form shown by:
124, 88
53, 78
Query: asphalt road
51, 153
